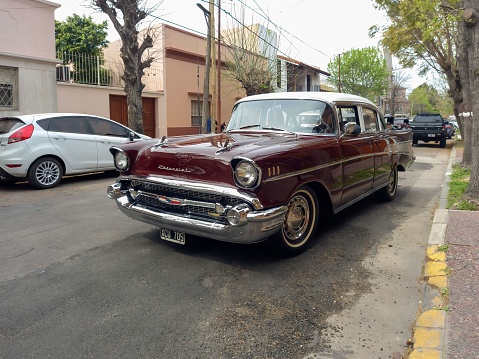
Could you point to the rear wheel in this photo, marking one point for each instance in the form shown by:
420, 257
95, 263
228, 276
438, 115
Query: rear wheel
388, 193
442, 142
414, 141
45, 173
299, 222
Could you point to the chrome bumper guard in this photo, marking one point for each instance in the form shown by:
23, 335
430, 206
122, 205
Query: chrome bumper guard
257, 226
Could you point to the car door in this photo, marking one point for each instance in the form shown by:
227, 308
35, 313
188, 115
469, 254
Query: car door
107, 134
376, 130
357, 156
71, 137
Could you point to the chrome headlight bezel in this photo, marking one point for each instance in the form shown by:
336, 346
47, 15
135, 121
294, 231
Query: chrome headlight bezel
121, 160
247, 174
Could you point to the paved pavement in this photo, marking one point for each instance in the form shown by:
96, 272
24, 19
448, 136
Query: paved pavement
448, 322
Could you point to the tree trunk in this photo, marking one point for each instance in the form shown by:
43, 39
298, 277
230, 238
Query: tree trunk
470, 44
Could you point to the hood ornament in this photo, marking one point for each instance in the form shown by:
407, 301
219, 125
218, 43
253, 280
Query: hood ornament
162, 142
226, 147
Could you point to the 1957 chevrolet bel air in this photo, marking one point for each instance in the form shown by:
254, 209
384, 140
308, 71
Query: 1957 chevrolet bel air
283, 160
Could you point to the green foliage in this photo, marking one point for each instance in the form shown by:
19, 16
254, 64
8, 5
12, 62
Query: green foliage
422, 32
80, 41
426, 98
458, 182
445, 293
81, 35
360, 72
443, 247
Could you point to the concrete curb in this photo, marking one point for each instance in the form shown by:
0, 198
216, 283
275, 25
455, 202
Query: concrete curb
429, 337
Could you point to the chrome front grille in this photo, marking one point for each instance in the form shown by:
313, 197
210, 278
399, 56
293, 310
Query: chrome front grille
165, 198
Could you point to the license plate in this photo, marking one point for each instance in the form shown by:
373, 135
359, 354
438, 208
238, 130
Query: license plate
431, 135
172, 236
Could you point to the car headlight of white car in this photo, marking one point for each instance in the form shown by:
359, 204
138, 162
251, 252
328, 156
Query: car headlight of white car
247, 174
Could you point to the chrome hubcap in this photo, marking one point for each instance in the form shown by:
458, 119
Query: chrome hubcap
297, 218
47, 173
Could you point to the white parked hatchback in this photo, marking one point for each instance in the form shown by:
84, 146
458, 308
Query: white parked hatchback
41, 148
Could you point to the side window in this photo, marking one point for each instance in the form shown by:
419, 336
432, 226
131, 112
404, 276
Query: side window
71, 124
106, 128
347, 114
370, 120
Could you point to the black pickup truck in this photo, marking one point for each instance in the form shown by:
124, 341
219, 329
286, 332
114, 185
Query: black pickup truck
428, 127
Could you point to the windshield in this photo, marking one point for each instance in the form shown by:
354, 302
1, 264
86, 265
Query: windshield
304, 116
428, 118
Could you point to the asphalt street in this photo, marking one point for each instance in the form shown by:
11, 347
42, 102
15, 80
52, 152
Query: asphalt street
80, 280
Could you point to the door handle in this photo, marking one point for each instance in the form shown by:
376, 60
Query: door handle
59, 137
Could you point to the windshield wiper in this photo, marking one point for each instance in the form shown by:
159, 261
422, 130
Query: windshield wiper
280, 129
249, 126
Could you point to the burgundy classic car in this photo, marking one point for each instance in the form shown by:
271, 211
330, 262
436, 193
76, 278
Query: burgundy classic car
283, 160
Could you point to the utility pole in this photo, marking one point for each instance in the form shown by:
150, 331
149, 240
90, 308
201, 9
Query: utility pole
218, 108
206, 84
339, 73
213, 68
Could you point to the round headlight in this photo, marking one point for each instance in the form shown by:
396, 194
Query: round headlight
246, 174
121, 161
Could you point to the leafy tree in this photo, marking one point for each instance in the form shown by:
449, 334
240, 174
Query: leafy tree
81, 35
80, 41
420, 100
425, 33
360, 72
126, 16
426, 98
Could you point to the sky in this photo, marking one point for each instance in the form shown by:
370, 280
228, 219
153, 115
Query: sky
310, 31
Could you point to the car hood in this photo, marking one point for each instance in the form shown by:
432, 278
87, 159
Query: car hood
208, 157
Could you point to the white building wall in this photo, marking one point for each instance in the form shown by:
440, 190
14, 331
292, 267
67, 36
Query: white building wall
36, 85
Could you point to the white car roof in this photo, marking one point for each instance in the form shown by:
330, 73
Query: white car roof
331, 97
39, 116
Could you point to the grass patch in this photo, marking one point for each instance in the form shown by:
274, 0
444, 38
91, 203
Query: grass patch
443, 247
458, 183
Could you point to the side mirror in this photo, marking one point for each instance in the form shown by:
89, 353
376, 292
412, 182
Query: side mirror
132, 136
352, 128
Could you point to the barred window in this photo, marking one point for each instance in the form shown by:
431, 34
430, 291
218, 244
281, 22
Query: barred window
8, 88
196, 112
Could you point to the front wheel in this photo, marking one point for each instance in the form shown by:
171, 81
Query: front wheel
388, 192
299, 222
45, 173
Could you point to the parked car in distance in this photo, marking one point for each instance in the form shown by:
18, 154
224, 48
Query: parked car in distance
41, 148
450, 130
428, 127
284, 161
401, 121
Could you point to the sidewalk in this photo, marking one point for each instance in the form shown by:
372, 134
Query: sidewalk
448, 323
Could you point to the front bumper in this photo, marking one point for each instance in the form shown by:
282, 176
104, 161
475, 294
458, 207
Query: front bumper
255, 223
429, 136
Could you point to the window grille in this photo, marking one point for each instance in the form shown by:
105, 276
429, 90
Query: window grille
8, 88
196, 112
